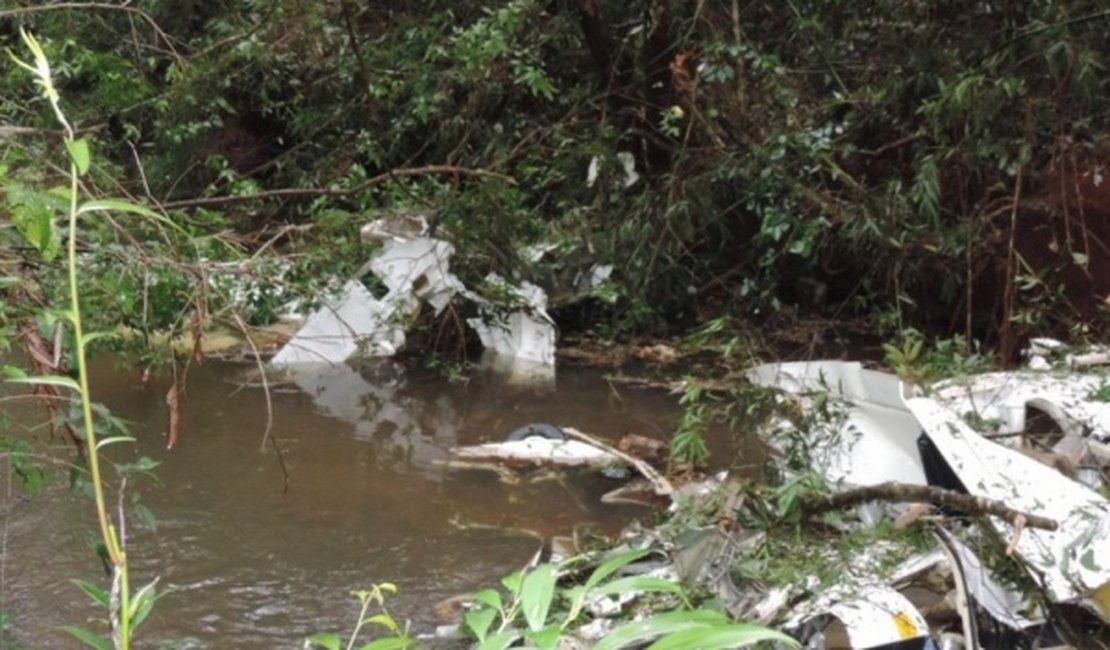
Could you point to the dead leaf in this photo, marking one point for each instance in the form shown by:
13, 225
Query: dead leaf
173, 405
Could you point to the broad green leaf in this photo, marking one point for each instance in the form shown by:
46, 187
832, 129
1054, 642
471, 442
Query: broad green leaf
48, 380
34, 219
325, 640
545, 639
606, 568
499, 641
384, 620
603, 571
723, 637
536, 595
489, 597
512, 582
388, 643
98, 595
479, 622
142, 602
659, 625
88, 638
79, 152
639, 583
13, 372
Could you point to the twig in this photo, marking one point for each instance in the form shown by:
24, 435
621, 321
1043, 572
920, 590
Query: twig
269, 403
896, 492
662, 486
310, 192
8, 13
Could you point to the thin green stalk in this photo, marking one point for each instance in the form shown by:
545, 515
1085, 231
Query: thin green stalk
118, 558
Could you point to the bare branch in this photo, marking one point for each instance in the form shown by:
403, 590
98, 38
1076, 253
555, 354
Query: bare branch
897, 492
312, 192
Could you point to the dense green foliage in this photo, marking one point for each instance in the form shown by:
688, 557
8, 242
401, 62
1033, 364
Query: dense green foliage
933, 164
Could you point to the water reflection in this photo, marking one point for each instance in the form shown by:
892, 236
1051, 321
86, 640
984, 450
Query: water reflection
253, 567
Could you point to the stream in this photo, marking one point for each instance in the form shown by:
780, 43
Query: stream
245, 564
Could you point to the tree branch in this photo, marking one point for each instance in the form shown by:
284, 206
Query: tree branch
312, 192
7, 13
895, 492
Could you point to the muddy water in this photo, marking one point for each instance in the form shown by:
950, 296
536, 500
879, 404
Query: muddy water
248, 565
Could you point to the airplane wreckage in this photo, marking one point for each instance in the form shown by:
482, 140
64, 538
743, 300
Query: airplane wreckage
961, 456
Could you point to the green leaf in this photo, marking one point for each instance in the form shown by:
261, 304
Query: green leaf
545, 639
387, 643
13, 372
489, 597
145, 516
117, 205
8, 281
384, 620
659, 625
639, 583
536, 595
326, 640
93, 336
98, 595
33, 214
723, 637
512, 582
603, 571
142, 602
88, 638
79, 152
499, 641
48, 380
479, 622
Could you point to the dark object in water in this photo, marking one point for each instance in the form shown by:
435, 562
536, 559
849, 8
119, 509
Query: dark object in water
537, 429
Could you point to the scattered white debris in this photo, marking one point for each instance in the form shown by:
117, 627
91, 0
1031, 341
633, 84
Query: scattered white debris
355, 320
873, 615
415, 268
535, 451
628, 166
527, 333
873, 438
873, 441
1072, 561
1079, 404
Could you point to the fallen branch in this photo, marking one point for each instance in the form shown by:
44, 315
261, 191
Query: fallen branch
898, 492
313, 192
659, 482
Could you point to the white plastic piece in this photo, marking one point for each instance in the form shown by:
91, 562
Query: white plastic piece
875, 440
1002, 397
628, 162
873, 614
1073, 560
419, 267
336, 331
527, 334
538, 451
1003, 604
416, 269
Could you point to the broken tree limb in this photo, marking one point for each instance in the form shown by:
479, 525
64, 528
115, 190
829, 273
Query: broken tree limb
312, 192
898, 492
659, 482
